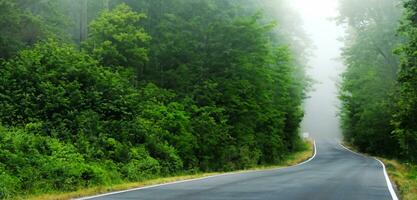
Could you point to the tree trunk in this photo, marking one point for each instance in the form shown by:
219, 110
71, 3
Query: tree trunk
106, 5
83, 20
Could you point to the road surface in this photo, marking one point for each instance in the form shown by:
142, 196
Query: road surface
334, 173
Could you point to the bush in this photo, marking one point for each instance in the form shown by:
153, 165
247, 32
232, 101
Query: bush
9, 185
142, 166
40, 163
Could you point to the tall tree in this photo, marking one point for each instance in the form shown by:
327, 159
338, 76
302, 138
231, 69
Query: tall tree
406, 116
369, 81
24, 23
117, 39
83, 20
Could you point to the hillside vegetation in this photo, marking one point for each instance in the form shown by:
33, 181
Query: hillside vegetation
149, 88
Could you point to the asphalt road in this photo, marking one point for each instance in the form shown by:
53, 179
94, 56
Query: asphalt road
334, 173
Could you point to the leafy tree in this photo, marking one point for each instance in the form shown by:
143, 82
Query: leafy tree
23, 23
117, 39
406, 116
53, 82
369, 81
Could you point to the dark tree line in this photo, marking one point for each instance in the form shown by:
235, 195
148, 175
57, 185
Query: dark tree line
151, 88
379, 90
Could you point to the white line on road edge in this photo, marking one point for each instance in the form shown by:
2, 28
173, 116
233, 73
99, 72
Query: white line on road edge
390, 187
196, 179
389, 184
312, 157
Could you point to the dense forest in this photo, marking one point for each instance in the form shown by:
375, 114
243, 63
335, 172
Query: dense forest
379, 87
99, 92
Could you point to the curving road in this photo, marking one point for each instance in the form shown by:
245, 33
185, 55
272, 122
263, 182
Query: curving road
334, 173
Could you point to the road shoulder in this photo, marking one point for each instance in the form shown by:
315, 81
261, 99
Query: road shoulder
404, 176
391, 186
293, 160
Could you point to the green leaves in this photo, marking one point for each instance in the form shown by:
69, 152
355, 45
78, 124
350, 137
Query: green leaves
369, 80
206, 87
117, 39
379, 102
42, 163
406, 101
24, 23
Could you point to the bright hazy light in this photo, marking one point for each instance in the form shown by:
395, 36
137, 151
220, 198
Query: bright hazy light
319, 8
321, 109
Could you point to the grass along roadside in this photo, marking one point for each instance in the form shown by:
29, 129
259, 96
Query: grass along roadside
291, 160
404, 175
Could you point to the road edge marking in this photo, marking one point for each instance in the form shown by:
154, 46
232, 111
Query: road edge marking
197, 179
310, 159
387, 179
389, 183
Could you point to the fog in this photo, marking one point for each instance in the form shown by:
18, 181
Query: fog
321, 107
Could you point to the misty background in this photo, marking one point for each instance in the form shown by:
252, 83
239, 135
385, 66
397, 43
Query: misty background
98, 93
325, 67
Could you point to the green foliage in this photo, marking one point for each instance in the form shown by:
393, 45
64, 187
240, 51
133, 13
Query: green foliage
220, 59
142, 166
54, 83
117, 39
9, 185
23, 23
379, 92
369, 81
406, 117
40, 163
64, 95
216, 88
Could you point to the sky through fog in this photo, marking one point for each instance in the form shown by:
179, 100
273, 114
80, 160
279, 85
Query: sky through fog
321, 108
